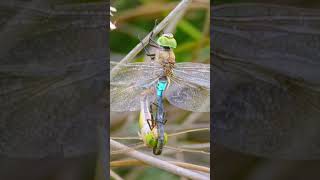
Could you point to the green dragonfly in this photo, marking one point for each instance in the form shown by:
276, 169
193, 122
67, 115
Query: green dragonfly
188, 84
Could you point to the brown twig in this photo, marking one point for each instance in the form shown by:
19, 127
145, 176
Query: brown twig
158, 163
187, 150
190, 130
133, 162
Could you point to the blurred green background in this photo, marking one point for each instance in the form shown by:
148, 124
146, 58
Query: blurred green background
136, 18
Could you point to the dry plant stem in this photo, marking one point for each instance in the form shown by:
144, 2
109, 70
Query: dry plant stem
179, 128
173, 24
187, 131
125, 138
122, 151
180, 158
181, 6
133, 162
115, 175
158, 163
196, 146
187, 150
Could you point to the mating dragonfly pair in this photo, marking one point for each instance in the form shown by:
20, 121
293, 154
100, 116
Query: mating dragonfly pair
185, 85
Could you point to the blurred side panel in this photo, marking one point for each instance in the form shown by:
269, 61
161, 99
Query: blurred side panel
53, 69
266, 98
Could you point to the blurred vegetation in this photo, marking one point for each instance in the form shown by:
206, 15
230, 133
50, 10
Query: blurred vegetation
133, 23
134, 20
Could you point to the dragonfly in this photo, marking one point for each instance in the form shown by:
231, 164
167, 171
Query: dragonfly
164, 63
265, 61
187, 84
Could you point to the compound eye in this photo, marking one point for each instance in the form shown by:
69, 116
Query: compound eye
168, 35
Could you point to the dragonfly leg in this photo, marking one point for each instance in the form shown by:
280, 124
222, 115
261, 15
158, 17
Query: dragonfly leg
151, 112
152, 56
154, 103
153, 42
164, 117
151, 126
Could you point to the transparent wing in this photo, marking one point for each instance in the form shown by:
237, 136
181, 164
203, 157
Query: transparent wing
129, 81
126, 73
127, 98
188, 96
195, 73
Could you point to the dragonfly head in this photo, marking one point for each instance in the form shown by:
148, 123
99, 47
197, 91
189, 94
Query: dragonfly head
167, 40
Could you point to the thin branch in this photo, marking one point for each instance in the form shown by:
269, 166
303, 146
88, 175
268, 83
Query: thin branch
115, 175
133, 162
174, 127
196, 146
158, 163
187, 150
180, 158
181, 6
187, 131
174, 22
122, 151
125, 138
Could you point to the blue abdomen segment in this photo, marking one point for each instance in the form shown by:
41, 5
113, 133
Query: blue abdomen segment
161, 86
